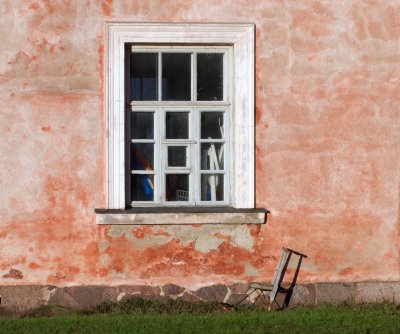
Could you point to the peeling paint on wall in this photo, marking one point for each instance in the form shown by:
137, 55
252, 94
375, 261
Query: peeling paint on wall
327, 147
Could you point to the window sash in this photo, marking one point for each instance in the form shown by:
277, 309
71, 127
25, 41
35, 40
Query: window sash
194, 146
194, 142
227, 55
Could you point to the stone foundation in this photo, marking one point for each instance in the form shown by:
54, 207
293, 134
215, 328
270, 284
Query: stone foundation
19, 298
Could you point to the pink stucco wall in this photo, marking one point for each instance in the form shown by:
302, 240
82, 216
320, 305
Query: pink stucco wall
327, 146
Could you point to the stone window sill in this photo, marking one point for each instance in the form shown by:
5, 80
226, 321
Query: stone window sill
180, 216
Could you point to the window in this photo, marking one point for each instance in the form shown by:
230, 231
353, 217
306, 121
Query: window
180, 115
178, 100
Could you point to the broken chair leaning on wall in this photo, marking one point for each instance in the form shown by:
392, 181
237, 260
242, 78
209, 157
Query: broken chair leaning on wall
267, 292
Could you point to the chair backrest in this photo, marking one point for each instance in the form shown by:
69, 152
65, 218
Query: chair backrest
279, 273
280, 270
281, 266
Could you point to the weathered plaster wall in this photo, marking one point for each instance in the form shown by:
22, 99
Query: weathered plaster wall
327, 146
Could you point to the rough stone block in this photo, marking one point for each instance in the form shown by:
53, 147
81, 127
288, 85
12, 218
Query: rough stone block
302, 295
213, 293
159, 298
172, 290
238, 288
21, 297
235, 298
190, 297
377, 292
334, 293
82, 296
17, 299
109, 293
141, 290
62, 298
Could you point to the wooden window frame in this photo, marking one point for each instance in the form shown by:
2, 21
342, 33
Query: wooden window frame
241, 38
194, 108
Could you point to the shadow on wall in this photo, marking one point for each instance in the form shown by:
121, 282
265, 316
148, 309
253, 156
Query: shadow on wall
289, 290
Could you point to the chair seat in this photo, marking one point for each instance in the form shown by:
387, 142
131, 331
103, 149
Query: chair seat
261, 286
275, 286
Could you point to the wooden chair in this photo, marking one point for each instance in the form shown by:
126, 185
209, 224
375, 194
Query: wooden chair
268, 292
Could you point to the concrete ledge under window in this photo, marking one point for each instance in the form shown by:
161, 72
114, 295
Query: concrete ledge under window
180, 216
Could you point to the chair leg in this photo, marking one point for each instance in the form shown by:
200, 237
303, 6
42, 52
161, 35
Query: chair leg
264, 300
247, 294
259, 294
272, 299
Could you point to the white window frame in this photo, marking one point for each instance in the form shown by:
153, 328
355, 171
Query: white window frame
195, 109
241, 38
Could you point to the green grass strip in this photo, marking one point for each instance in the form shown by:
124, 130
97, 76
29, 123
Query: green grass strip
382, 318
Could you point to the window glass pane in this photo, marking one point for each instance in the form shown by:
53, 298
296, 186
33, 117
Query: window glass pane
212, 187
143, 76
177, 187
142, 125
142, 187
176, 76
212, 156
177, 156
177, 125
212, 125
210, 76
142, 156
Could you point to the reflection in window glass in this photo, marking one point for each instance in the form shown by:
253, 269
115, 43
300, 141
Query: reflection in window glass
210, 77
142, 187
142, 156
177, 125
177, 187
212, 125
142, 125
212, 156
212, 187
176, 77
143, 76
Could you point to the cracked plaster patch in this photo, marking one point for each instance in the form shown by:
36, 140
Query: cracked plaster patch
207, 243
103, 245
202, 236
242, 238
249, 269
140, 243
